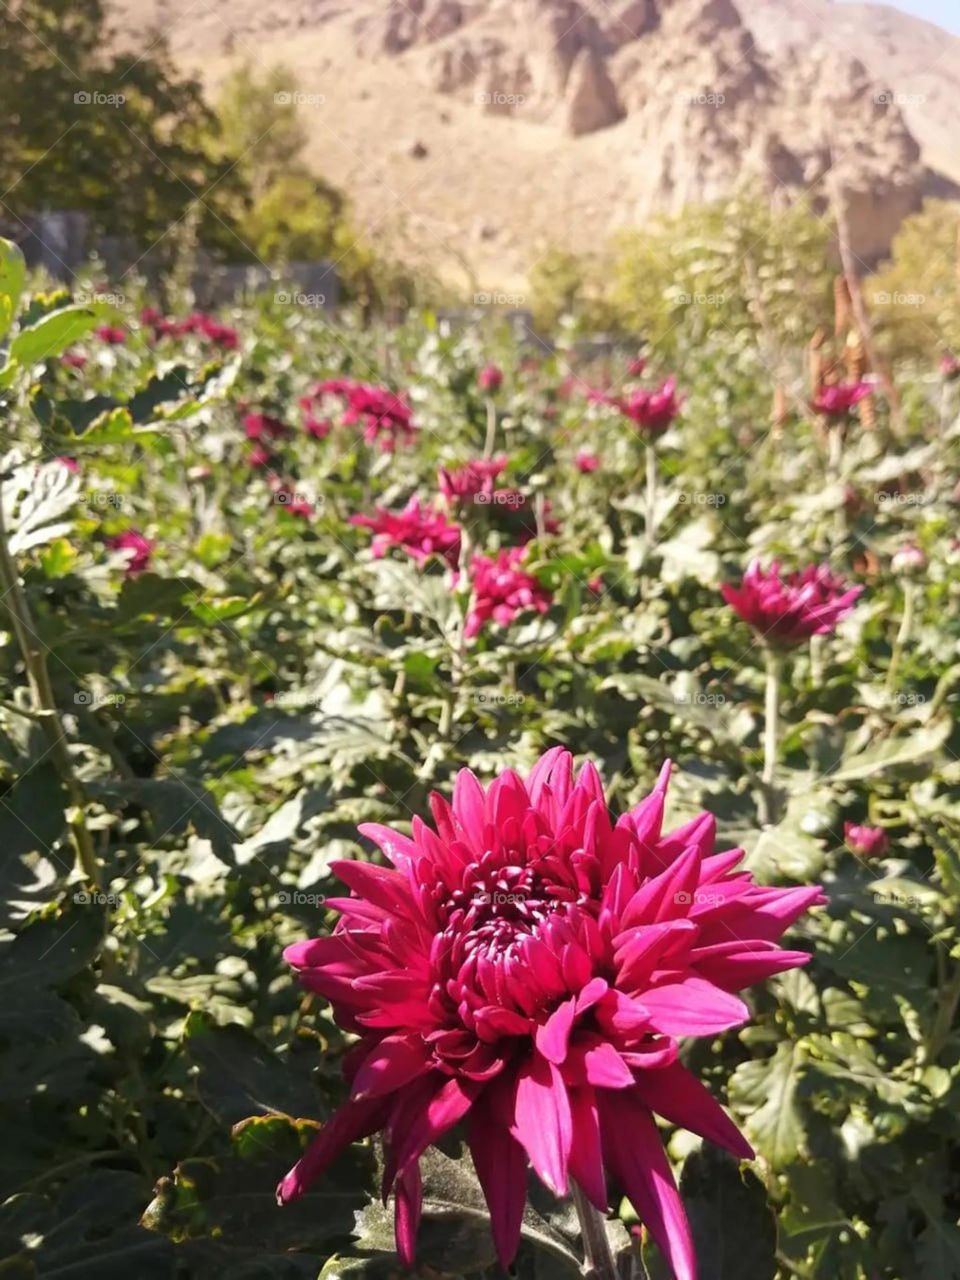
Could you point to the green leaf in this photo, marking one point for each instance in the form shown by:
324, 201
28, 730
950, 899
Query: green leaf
35, 500
920, 745
764, 1092
52, 335
13, 274
238, 1076
734, 1229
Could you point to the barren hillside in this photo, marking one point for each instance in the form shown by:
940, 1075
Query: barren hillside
477, 132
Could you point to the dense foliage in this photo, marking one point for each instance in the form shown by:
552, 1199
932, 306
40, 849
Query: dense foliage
209, 679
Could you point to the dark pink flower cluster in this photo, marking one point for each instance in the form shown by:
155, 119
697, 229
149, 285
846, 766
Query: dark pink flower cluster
260, 426
586, 462
868, 842
501, 590
786, 609
529, 965
199, 323
420, 531
73, 359
112, 334
839, 400
386, 417
139, 548
464, 484
651, 410
950, 367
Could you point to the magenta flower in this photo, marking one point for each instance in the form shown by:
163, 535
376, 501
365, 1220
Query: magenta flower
839, 400
490, 379
111, 334
950, 367
386, 418
138, 547
73, 359
260, 426
420, 531
868, 842
209, 327
502, 590
529, 966
586, 462
651, 411
786, 609
636, 366
259, 456
71, 464
318, 428
463, 484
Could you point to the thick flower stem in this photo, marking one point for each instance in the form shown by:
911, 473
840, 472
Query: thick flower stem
598, 1261
651, 495
771, 736
44, 704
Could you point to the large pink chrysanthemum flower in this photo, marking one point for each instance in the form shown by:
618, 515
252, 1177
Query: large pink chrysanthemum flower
787, 609
502, 589
420, 531
529, 965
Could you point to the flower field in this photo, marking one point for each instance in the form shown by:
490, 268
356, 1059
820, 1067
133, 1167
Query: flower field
380, 708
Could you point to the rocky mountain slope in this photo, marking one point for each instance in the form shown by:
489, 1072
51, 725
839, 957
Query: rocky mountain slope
480, 131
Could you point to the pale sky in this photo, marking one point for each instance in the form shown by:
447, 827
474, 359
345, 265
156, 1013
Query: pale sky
946, 13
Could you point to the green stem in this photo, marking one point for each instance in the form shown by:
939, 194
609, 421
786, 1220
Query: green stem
903, 635
598, 1260
771, 736
491, 428
45, 705
943, 1023
651, 495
